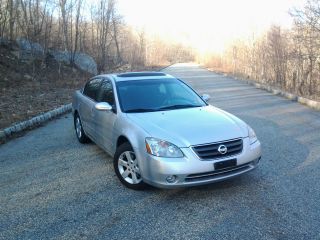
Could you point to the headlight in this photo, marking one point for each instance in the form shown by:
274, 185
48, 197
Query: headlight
162, 148
252, 135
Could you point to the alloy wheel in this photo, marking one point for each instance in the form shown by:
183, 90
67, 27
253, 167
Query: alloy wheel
128, 167
78, 128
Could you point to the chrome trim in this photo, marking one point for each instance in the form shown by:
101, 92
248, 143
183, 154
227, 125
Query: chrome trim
222, 155
229, 140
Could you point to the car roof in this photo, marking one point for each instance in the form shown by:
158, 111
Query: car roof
131, 76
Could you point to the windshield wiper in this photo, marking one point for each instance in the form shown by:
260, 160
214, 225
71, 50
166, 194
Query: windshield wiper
140, 110
179, 106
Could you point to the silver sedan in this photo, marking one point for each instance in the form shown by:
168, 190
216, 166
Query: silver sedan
161, 132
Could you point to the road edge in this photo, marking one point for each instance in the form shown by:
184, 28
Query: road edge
290, 96
163, 68
7, 133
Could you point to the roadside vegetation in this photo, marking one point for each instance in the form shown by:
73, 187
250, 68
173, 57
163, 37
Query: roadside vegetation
288, 59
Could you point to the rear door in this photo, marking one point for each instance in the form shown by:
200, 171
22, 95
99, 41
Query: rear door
86, 108
104, 120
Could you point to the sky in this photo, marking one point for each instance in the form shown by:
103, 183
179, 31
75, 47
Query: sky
207, 25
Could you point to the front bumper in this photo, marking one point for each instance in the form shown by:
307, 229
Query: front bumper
191, 170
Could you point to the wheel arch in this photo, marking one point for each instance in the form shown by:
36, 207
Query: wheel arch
121, 140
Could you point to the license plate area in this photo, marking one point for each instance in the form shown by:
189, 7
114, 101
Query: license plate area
225, 164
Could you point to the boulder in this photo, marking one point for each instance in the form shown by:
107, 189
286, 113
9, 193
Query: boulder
29, 50
82, 60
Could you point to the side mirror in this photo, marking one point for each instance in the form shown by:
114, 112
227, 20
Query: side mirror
205, 97
103, 106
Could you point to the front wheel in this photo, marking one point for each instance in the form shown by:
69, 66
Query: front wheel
127, 168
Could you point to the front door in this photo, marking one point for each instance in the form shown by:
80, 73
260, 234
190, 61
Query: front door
104, 120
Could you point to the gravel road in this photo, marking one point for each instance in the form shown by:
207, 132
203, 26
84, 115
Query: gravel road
53, 187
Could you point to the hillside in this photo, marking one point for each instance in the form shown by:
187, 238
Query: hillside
28, 88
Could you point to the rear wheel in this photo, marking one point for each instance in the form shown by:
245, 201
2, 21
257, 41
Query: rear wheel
127, 168
82, 137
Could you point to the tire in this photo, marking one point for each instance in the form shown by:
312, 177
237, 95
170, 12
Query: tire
81, 136
126, 167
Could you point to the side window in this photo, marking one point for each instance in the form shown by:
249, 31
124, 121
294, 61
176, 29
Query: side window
91, 89
106, 93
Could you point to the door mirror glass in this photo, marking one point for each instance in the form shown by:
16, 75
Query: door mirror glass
103, 106
205, 97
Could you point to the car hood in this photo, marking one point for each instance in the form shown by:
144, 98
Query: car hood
191, 126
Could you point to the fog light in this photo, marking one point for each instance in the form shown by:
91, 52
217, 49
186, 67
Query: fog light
171, 178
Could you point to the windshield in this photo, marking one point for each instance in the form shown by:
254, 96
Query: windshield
156, 95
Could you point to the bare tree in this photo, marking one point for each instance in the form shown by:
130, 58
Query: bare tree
77, 32
63, 5
102, 24
12, 18
115, 23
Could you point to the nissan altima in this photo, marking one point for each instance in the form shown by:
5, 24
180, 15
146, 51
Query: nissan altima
160, 132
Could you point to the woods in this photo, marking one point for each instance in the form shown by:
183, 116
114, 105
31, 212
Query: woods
284, 58
95, 28
49, 48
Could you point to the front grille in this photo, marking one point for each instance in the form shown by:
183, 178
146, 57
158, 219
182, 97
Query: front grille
218, 173
210, 151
